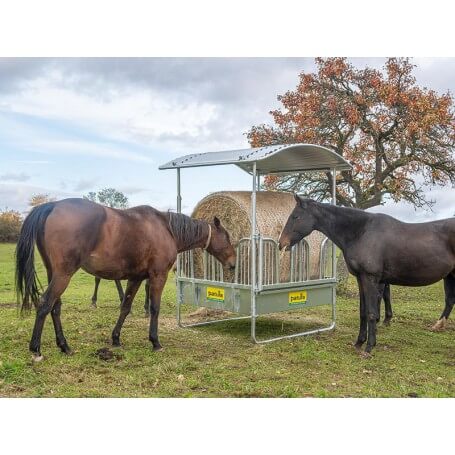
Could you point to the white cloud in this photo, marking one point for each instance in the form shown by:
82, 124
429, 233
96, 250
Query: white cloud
16, 196
14, 177
129, 115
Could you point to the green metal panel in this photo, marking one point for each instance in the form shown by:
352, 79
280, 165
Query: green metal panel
292, 299
238, 300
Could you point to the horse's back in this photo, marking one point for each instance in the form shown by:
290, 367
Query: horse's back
414, 253
129, 240
74, 226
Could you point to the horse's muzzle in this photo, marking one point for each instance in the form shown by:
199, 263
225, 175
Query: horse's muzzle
284, 245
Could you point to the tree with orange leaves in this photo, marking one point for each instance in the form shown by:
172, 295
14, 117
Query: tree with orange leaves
399, 137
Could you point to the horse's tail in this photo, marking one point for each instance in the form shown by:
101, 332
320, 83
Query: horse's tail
27, 283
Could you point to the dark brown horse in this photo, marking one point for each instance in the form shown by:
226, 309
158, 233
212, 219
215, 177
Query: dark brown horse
380, 250
134, 244
118, 285
121, 294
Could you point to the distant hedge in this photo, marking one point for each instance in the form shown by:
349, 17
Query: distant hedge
10, 225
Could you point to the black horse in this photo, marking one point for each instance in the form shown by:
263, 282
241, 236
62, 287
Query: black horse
385, 295
121, 294
380, 250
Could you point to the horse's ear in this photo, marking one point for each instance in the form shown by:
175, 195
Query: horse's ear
216, 222
298, 199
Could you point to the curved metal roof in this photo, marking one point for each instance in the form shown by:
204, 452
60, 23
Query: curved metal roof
270, 159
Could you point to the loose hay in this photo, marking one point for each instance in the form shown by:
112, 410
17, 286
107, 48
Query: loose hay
234, 210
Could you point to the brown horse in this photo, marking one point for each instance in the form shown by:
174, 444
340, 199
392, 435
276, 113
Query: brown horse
134, 244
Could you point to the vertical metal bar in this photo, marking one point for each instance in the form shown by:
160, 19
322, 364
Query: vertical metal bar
179, 284
334, 271
291, 258
179, 196
260, 262
277, 264
253, 257
334, 202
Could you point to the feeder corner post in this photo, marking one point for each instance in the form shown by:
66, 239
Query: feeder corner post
334, 249
253, 255
178, 283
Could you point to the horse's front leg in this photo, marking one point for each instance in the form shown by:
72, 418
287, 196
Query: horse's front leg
121, 294
371, 293
363, 318
130, 292
95, 292
156, 285
147, 299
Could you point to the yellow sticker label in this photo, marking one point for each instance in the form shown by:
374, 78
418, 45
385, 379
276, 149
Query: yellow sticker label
297, 297
215, 294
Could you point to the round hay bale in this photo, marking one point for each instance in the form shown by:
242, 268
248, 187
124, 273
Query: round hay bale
273, 208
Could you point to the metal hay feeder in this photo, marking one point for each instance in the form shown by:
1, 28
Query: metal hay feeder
256, 289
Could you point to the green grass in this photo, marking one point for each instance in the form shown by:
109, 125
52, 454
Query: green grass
220, 361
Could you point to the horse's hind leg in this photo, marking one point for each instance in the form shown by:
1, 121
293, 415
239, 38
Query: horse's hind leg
56, 287
387, 304
59, 336
380, 297
95, 292
130, 292
449, 289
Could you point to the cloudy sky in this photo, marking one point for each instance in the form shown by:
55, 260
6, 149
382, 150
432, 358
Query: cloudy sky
69, 126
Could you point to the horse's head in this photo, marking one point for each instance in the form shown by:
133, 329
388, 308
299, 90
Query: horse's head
220, 245
299, 224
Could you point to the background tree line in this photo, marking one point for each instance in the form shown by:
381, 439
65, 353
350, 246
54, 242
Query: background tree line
11, 220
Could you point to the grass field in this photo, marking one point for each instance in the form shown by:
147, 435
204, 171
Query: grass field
220, 361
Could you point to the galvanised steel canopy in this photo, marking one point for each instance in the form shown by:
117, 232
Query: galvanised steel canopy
270, 159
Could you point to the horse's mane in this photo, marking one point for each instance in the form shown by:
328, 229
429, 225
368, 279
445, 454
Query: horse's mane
185, 229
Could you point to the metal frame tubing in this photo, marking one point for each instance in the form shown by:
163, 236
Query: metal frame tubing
256, 284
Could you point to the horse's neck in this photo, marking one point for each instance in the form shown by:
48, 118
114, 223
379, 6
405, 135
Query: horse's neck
340, 225
198, 241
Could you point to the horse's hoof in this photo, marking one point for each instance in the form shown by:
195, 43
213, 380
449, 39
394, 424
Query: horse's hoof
66, 350
157, 348
440, 325
386, 322
357, 345
37, 358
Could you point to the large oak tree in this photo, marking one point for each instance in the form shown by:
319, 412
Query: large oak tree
398, 136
